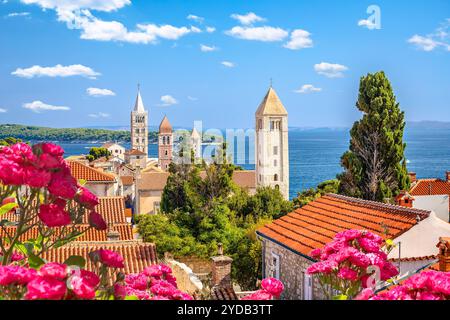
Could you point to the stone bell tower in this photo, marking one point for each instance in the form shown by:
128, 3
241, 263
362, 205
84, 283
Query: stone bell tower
165, 144
272, 149
139, 126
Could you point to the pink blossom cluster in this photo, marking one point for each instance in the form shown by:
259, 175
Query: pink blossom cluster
346, 260
270, 288
53, 281
43, 167
154, 283
427, 285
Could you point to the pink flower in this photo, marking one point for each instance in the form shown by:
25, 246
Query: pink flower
171, 279
368, 245
96, 221
63, 184
273, 286
51, 149
259, 295
110, 258
179, 295
15, 275
120, 291
36, 178
45, 289
163, 288
162, 298
87, 198
84, 284
11, 173
365, 294
347, 274
349, 235
54, 214
315, 253
157, 271
325, 267
137, 281
53, 270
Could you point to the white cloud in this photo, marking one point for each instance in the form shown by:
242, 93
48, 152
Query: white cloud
97, 92
192, 98
38, 106
210, 29
99, 5
308, 88
56, 71
168, 100
18, 14
330, 70
205, 48
228, 64
3, 110
300, 39
247, 19
440, 38
266, 33
195, 18
367, 23
99, 115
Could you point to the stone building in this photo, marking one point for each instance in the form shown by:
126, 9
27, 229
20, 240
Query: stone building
288, 241
139, 126
165, 144
196, 142
272, 149
136, 158
116, 150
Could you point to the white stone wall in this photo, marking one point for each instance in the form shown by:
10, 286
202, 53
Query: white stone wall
139, 131
437, 203
269, 164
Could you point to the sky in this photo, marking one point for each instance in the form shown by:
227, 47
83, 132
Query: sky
77, 63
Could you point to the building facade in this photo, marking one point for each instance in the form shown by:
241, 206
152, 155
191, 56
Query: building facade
272, 149
165, 144
139, 126
196, 142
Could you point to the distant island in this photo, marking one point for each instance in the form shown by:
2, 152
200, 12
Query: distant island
34, 133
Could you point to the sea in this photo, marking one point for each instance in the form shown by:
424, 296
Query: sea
314, 154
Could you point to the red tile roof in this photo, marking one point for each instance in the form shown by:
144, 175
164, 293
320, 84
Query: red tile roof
430, 187
137, 255
125, 230
316, 224
135, 152
83, 172
127, 180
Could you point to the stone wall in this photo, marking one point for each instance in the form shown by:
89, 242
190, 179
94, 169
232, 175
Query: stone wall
292, 268
187, 280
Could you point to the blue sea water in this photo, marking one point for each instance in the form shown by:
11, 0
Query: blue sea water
314, 155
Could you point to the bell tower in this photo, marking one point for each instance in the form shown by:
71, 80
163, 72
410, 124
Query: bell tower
165, 144
139, 125
272, 149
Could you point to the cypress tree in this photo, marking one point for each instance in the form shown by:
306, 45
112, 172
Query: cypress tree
375, 165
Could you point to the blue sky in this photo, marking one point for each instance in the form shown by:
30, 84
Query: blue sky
52, 51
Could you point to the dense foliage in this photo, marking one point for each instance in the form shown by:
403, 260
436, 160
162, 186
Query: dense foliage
202, 207
32, 133
305, 197
375, 165
97, 153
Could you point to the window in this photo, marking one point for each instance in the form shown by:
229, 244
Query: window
275, 177
307, 286
260, 124
260, 178
166, 153
156, 207
277, 187
272, 125
275, 150
137, 140
274, 271
275, 163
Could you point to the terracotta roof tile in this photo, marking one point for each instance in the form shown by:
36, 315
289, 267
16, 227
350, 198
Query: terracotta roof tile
84, 172
245, 178
137, 255
427, 187
152, 181
316, 224
134, 152
127, 180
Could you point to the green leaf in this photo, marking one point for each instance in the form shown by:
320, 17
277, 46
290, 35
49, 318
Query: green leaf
76, 261
82, 182
34, 261
7, 208
131, 298
340, 297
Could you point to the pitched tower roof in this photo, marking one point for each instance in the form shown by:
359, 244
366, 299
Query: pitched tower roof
165, 126
139, 105
271, 105
195, 134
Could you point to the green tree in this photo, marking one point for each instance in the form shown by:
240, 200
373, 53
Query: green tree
96, 153
305, 197
375, 165
8, 141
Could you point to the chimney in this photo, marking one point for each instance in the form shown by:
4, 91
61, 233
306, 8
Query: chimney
412, 177
221, 269
447, 176
444, 254
112, 234
404, 199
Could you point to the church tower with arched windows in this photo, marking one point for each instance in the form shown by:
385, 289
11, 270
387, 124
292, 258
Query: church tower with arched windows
272, 149
165, 144
139, 126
